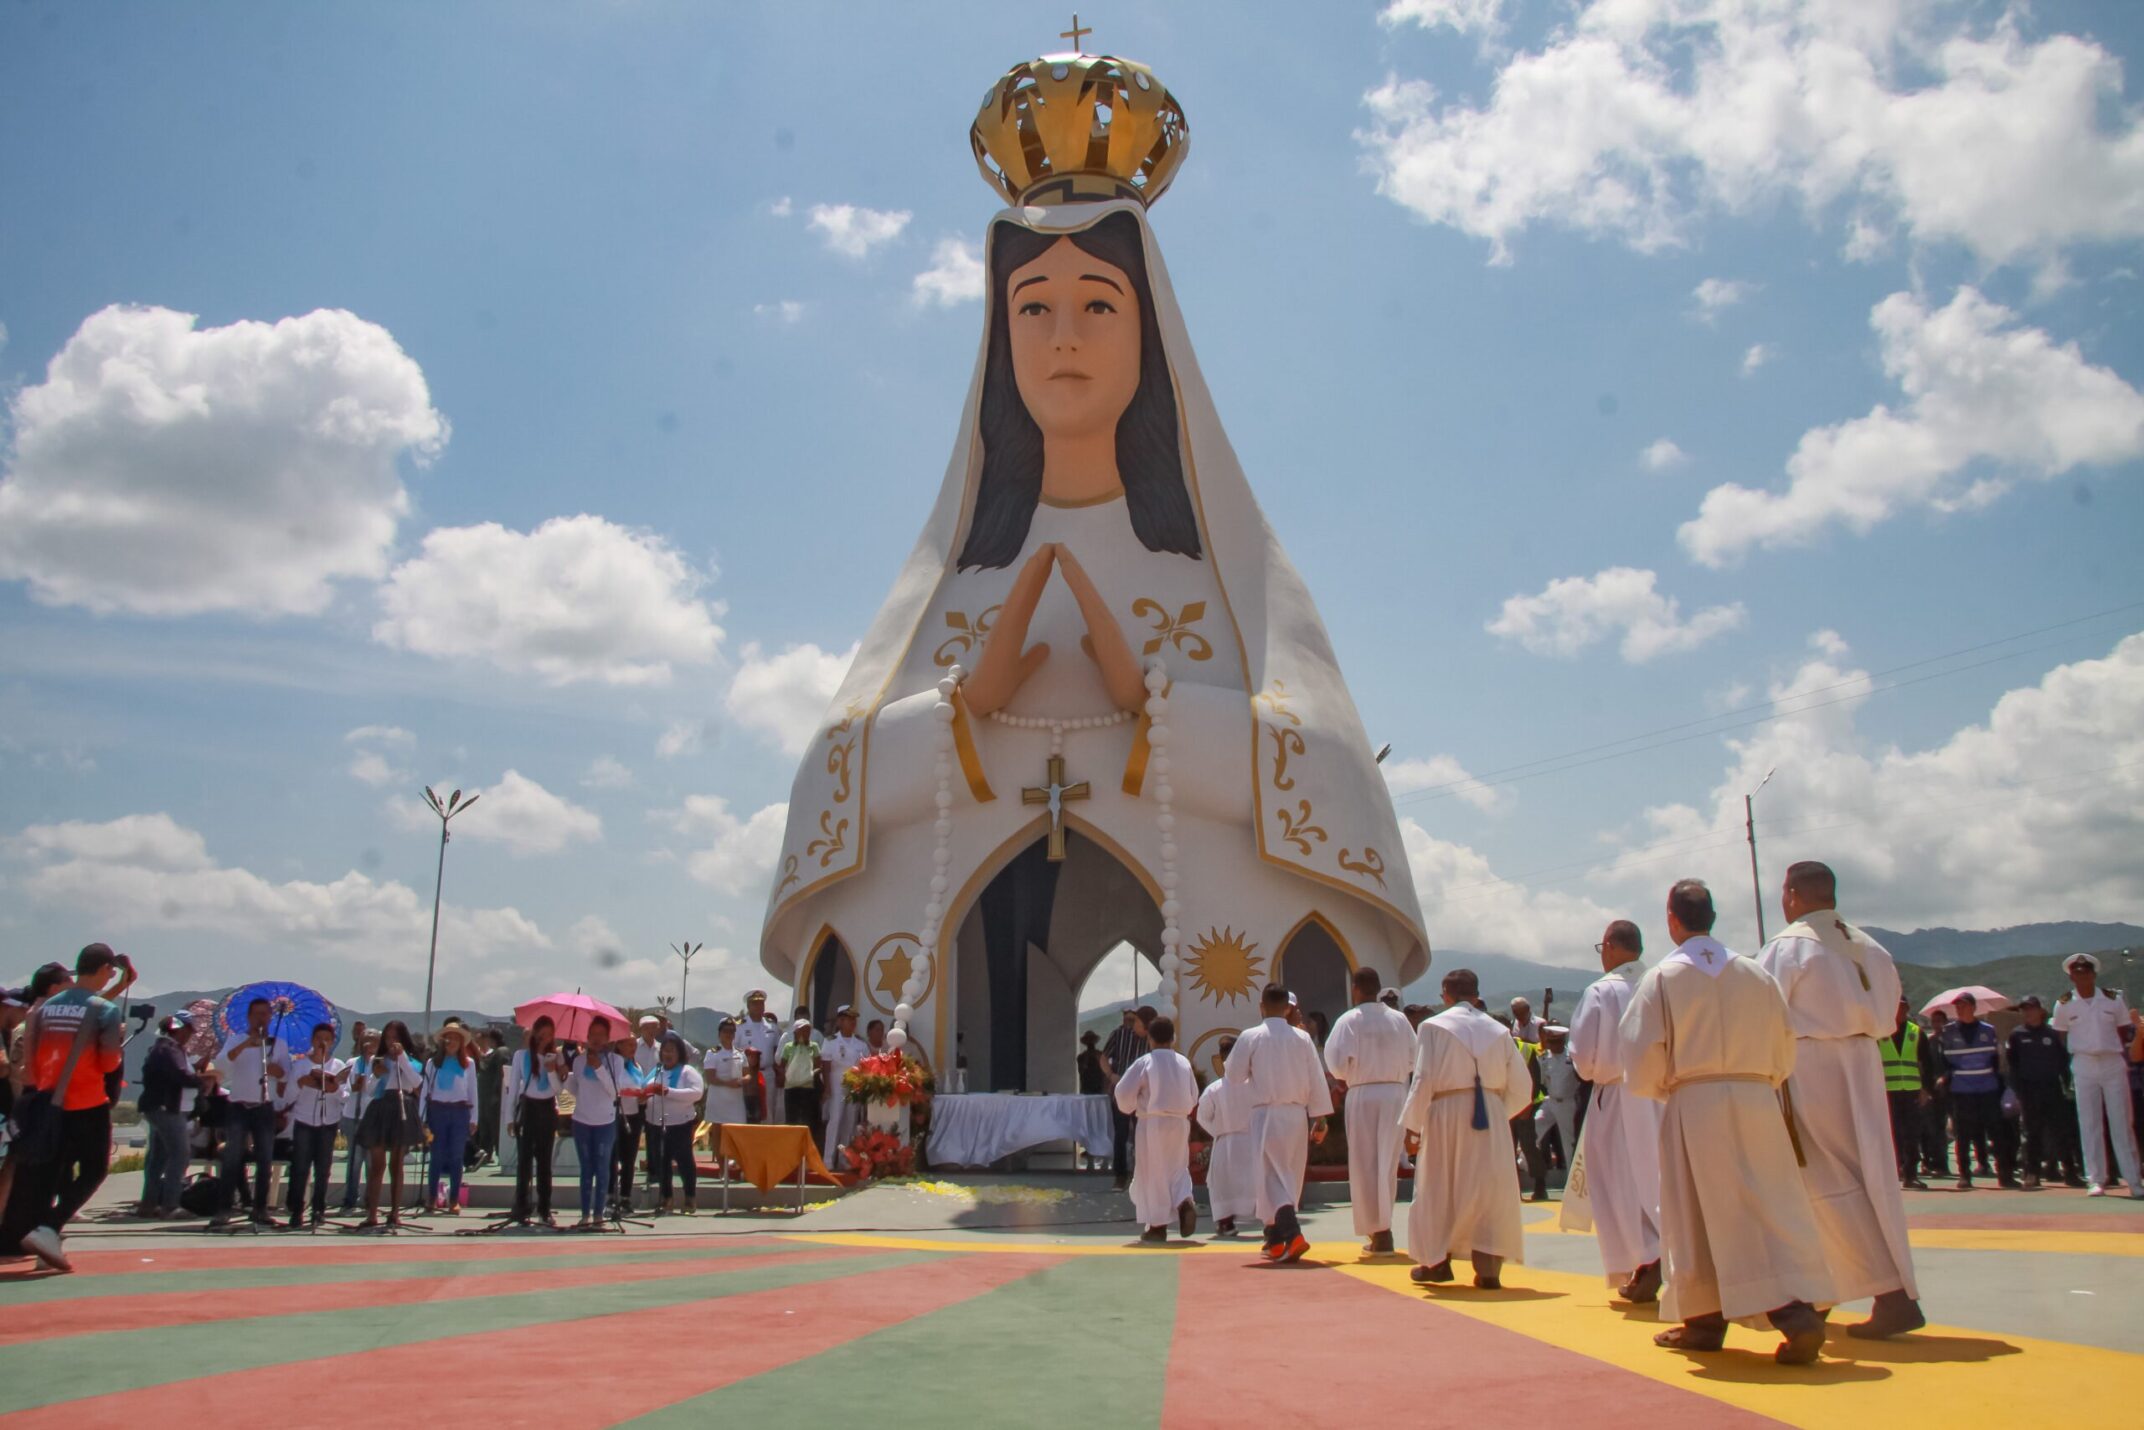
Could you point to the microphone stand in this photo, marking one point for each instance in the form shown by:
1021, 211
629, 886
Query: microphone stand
617, 1214
320, 1097
247, 1224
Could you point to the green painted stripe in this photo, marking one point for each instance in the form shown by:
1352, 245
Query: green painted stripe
1081, 1343
150, 1281
130, 1360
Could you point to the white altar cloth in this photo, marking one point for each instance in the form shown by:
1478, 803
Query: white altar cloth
974, 1129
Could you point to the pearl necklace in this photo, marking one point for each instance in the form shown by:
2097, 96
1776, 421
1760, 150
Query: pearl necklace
1057, 725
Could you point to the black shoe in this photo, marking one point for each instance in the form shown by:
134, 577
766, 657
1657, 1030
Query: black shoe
2009, 1184
1914, 1184
1226, 1226
1187, 1217
1155, 1235
1432, 1275
1380, 1243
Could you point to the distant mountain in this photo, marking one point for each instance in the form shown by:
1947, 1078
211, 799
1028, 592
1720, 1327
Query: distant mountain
1945, 947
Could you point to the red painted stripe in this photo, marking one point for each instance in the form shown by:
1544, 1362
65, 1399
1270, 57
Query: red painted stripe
271, 1249
180, 1308
1262, 1345
548, 1368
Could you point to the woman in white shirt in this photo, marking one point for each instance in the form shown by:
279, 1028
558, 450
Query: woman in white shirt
449, 1111
728, 1069
594, 1079
316, 1104
533, 1079
389, 1125
672, 1098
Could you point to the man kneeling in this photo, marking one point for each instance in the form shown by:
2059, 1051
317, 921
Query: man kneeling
1161, 1092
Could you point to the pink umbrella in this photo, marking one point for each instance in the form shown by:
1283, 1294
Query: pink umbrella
570, 1014
1985, 1000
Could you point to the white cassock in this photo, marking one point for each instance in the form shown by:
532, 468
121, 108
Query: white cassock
1160, 1090
842, 1116
1371, 1049
1622, 1136
1466, 1178
1230, 1175
1707, 1034
1282, 1075
1842, 995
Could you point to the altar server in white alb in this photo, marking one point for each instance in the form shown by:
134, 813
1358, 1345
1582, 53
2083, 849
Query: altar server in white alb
842, 1051
1371, 1048
1469, 1082
1279, 1070
1842, 994
2092, 1018
1230, 1176
1160, 1090
1622, 1136
1709, 1036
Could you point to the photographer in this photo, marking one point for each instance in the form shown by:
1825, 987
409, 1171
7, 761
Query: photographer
594, 1079
255, 1065
166, 1077
671, 1096
317, 1111
73, 1041
533, 1079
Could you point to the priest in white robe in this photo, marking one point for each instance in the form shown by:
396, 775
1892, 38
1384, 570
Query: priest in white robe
1708, 1035
1842, 993
1469, 1082
1622, 1136
1161, 1091
1279, 1070
1371, 1049
1230, 1175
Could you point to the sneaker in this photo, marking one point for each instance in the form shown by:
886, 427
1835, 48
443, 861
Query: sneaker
1297, 1246
2095, 1190
44, 1244
1915, 1184
2032, 1181
1965, 1184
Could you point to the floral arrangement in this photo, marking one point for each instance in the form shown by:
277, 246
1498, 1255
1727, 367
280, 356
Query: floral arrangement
879, 1153
890, 1080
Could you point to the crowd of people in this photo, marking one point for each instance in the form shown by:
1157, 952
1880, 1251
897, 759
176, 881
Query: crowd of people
1741, 1129
268, 1100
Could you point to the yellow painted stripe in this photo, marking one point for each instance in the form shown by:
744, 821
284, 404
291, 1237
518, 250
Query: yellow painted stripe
1245, 1249
2056, 1242
1972, 1376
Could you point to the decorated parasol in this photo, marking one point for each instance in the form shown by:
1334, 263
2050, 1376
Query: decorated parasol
1985, 999
570, 1014
294, 1010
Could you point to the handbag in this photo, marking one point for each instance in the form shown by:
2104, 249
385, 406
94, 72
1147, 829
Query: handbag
39, 1113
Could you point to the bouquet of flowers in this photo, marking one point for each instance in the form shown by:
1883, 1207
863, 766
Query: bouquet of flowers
879, 1153
889, 1079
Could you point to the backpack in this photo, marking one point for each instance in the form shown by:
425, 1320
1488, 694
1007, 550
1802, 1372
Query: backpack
202, 1194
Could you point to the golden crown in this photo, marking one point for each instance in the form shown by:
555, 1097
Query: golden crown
1067, 128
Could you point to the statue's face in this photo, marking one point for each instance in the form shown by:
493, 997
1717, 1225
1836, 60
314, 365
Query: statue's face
1074, 323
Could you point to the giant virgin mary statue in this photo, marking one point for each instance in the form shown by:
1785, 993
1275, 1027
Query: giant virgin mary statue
1098, 705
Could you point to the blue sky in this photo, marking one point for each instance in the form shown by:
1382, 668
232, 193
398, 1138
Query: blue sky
650, 272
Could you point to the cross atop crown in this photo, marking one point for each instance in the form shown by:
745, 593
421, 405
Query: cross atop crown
1076, 34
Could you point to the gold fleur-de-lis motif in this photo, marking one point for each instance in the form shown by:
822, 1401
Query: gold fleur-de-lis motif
1173, 630
1286, 742
1297, 829
789, 873
967, 634
835, 838
1276, 700
1371, 865
840, 751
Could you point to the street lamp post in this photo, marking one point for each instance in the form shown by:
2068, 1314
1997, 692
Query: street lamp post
1749, 823
454, 805
685, 950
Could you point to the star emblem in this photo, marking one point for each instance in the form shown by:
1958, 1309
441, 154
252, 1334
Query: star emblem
893, 971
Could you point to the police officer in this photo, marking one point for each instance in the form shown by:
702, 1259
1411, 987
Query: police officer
2095, 1020
1906, 1079
2039, 1070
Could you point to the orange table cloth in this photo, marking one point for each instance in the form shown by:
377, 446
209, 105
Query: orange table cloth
767, 1154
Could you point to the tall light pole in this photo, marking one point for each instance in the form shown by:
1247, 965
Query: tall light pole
685, 950
1749, 823
454, 805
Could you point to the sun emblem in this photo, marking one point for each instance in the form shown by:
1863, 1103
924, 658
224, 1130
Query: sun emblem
1225, 965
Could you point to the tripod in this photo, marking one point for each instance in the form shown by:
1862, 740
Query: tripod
617, 1214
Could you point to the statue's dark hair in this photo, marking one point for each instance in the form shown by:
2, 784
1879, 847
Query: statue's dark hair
1149, 456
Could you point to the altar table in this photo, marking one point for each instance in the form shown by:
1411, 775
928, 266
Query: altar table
974, 1129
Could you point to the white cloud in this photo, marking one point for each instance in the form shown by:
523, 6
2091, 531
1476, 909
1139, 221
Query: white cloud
1468, 17
852, 230
1468, 906
606, 772
576, 599
1755, 357
681, 737
954, 277
590, 936
1444, 774
146, 872
783, 696
782, 207
1715, 296
786, 310
166, 470
736, 855
2033, 813
373, 768
1637, 116
516, 812
379, 735
1572, 613
1661, 455
1981, 391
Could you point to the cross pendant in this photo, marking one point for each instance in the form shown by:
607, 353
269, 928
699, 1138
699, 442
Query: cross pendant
1055, 793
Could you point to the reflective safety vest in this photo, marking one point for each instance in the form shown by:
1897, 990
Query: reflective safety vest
1902, 1060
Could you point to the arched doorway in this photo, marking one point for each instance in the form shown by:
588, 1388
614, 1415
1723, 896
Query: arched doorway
1024, 953
1315, 966
829, 979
